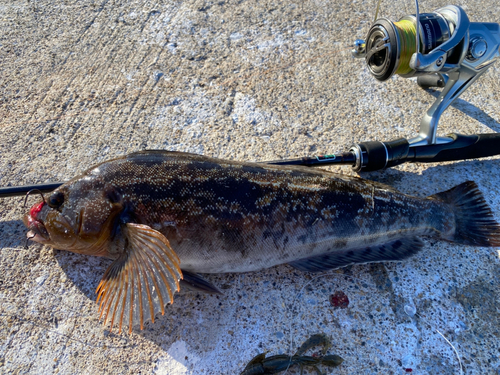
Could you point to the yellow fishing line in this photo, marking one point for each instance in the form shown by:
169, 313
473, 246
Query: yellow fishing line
407, 33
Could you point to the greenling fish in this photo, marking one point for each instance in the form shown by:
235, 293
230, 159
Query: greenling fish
166, 216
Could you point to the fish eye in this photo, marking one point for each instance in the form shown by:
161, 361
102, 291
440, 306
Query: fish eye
56, 200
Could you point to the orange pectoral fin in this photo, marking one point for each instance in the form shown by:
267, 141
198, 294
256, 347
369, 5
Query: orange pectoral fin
142, 281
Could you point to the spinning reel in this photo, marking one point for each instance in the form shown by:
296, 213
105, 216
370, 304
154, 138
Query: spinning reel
442, 49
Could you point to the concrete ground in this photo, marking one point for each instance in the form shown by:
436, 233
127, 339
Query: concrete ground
84, 81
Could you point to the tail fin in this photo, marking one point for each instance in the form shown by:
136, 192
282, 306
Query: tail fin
474, 220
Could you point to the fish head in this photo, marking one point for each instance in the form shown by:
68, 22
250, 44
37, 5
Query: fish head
78, 217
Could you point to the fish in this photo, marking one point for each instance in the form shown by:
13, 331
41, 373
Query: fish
166, 217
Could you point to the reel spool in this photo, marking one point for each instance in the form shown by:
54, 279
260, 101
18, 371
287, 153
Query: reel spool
390, 45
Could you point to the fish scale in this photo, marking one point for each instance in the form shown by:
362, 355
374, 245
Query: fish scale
167, 216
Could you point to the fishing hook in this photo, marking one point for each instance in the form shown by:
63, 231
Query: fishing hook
31, 191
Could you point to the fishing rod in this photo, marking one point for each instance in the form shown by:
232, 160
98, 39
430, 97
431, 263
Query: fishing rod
442, 49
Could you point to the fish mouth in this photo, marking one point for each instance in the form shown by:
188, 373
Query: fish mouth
37, 231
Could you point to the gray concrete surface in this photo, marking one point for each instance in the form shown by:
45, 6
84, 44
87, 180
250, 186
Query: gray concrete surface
84, 81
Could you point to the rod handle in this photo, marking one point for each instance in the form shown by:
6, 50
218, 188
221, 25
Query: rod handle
461, 148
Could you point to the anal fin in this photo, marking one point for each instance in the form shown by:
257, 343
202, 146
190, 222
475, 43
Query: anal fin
139, 284
392, 251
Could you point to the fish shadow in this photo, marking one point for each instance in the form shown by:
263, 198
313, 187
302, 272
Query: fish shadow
197, 319
85, 272
12, 234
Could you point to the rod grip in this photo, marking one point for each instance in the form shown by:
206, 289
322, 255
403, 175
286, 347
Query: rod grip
462, 147
379, 155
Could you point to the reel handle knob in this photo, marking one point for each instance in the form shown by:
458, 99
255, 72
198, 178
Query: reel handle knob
359, 50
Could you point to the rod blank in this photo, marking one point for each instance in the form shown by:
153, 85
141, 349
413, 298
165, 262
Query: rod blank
18, 191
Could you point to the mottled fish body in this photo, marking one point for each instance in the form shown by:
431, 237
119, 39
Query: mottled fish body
164, 216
